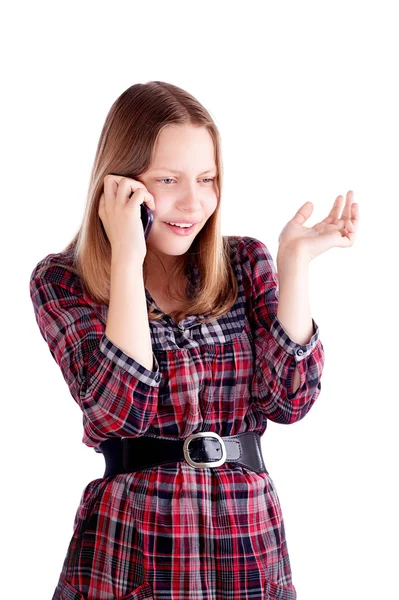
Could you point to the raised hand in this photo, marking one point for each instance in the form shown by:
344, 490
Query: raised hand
336, 230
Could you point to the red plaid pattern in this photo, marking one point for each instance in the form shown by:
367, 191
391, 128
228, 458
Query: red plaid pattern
175, 531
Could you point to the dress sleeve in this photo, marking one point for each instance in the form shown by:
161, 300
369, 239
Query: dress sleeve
118, 395
276, 355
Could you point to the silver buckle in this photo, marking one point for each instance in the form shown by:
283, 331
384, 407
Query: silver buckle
215, 463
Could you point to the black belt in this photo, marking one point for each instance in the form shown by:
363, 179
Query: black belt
202, 449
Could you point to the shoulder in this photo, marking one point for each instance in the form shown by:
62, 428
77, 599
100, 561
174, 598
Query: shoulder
246, 245
253, 256
254, 263
56, 268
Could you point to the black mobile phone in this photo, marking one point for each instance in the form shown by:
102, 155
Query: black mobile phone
147, 218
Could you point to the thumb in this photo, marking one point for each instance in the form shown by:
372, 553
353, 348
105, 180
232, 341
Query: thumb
303, 213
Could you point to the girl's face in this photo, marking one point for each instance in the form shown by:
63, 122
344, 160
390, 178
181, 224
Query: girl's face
182, 179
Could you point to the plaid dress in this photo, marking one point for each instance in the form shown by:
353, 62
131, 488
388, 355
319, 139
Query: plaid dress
174, 531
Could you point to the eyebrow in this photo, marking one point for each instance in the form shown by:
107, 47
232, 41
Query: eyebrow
179, 172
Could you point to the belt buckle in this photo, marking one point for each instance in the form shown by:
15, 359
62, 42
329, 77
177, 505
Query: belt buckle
215, 463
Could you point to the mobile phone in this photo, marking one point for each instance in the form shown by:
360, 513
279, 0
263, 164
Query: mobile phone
147, 218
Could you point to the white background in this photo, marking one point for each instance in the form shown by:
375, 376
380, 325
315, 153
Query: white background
305, 95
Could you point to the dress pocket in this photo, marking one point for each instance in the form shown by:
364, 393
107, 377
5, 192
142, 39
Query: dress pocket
273, 591
143, 592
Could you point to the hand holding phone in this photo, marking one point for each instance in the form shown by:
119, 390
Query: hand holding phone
125, 216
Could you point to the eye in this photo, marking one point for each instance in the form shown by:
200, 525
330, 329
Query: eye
209, 179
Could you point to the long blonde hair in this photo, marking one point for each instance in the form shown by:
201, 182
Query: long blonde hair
125, 147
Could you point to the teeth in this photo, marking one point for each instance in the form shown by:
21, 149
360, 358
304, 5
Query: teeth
181, 224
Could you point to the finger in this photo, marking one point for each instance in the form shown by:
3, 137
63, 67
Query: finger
348, 239
355, 218
303, 213
353, 223
110, 187
334, 213
140, 192
126, 188
347, 212
119, 188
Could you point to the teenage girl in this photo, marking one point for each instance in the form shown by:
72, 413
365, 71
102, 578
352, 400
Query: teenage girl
178, 348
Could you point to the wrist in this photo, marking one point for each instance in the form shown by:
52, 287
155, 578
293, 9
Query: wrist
122, 256
291, 257
293, 250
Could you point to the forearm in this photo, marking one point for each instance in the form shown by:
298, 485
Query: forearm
127, 323
294, 311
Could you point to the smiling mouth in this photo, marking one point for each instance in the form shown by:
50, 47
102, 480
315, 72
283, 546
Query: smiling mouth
181, 230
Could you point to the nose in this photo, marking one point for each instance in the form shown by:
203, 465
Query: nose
190, 200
